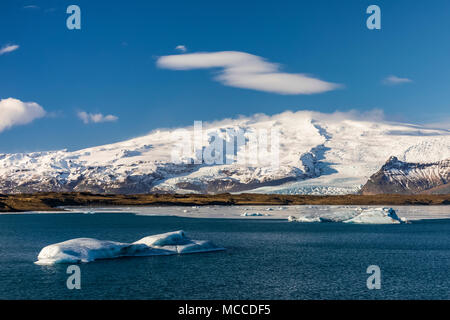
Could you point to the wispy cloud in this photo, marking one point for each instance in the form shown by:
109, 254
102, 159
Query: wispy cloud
96, 117
244, 70
394, 80
181, 48
8, 48
15, 112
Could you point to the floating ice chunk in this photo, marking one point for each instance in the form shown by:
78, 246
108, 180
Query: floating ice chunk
308, 219
87, 250
353, 215
376, 216
80, 250
404, 220
197, 246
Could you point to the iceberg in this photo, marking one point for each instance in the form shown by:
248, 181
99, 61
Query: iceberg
304, 219
254, 214
353, 215
87, 250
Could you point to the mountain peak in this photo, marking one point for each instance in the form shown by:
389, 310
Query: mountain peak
397, 176
392, 159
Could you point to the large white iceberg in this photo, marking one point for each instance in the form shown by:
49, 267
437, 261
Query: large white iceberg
87, 249
353, 215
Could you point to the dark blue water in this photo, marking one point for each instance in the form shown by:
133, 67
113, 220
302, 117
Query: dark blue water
265, 259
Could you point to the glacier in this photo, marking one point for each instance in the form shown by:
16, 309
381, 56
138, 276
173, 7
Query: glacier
88, 250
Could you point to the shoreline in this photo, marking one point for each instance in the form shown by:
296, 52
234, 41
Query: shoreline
281, 213
51, 202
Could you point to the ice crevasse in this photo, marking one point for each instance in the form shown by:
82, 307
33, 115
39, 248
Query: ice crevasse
87, 249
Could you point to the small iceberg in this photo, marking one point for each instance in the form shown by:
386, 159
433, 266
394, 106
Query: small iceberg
308, 219
88, 250
377, 216
254, 214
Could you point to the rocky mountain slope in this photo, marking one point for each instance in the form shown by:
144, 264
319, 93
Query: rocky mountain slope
400, 177
318, 154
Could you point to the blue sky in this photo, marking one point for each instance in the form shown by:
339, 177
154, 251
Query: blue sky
110, 65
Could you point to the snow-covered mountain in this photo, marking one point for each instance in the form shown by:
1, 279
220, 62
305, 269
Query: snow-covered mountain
318, 154
410, 178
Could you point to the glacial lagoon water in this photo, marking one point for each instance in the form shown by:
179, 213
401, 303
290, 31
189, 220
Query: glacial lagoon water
264, 259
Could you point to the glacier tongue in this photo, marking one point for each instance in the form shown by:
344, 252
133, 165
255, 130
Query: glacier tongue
318, 153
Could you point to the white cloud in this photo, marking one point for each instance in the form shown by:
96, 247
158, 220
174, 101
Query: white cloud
393, 80
31, 6
244, 70
8, 48
181, 48
15, 112
96, 117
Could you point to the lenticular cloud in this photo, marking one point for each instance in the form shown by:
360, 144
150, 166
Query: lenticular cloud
244, 70
15, 112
